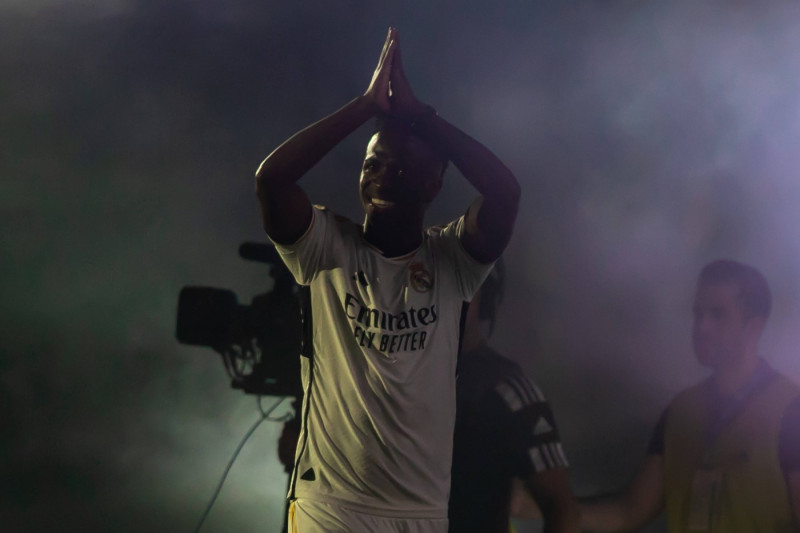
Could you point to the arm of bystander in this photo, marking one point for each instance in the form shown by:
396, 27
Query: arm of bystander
636, 506
547, 495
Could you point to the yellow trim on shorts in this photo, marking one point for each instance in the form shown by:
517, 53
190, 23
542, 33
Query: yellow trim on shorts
292, 525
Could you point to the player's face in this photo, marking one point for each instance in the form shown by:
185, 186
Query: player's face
720, 331
400, 176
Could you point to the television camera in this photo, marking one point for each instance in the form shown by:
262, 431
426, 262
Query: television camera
259, 343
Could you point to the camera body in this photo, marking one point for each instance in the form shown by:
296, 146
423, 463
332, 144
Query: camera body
259, 343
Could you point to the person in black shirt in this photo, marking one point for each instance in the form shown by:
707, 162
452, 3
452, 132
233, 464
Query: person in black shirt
506, 447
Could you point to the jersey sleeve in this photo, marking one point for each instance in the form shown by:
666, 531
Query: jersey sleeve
304, 257
469, 273
789, 443
534, 441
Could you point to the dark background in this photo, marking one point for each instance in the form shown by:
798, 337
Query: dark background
649, 138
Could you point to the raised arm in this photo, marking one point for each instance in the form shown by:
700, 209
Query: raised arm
491, 217
640, 503
285, 208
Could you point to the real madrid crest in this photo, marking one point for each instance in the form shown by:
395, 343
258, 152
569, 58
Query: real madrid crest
420, 279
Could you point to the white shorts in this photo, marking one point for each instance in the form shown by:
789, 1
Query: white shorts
317, 517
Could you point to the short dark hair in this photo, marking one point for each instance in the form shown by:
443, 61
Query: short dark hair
492, 292
385, 122
754, 290
389, 122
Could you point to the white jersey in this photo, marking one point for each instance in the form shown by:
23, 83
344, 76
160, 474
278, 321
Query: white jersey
379, 406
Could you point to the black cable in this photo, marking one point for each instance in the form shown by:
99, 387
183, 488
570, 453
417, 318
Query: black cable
285, 418
264, 416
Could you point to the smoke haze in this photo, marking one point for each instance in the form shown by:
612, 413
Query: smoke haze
649, 138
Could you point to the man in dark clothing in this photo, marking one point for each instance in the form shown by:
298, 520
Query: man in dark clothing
505, 435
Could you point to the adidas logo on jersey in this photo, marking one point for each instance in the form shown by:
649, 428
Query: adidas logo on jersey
542, 426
